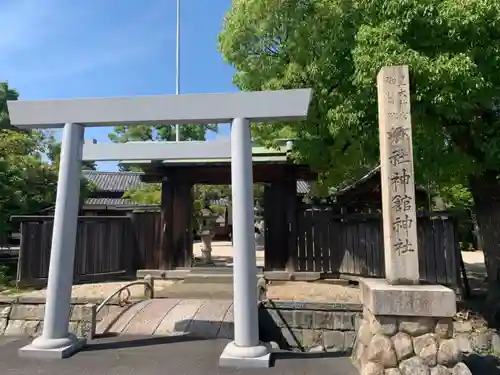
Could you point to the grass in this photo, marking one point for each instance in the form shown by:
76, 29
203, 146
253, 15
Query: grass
7, 273
7, 280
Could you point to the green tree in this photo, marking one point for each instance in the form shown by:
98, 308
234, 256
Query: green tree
6, 93
188, 132
27, 184
456, 197
337, 47
151, 194
53, 152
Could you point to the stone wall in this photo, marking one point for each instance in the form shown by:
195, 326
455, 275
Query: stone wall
24, 316
305, 326
403, 345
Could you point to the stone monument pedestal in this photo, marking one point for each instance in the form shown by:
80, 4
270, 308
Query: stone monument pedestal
406, 329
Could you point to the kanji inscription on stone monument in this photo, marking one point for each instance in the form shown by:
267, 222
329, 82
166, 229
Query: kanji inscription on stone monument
397, 177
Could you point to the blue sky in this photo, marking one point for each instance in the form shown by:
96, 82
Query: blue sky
97, 48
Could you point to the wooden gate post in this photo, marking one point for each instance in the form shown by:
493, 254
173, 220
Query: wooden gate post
290, 206
166, 252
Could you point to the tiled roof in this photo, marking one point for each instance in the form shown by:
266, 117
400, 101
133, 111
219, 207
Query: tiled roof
109, 201
113, 181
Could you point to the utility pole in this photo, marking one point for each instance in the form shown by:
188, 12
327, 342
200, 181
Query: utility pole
178, 62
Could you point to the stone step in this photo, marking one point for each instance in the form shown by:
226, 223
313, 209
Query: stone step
206, 290
212, 270
215, 270
212, 278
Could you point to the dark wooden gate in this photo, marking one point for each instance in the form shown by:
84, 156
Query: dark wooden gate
280, 225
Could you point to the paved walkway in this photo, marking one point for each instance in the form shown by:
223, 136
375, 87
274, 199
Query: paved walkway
139, 355
203, 317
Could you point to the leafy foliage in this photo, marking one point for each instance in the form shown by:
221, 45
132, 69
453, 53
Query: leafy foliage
457, 197
27, 184
151, 194
28, 181
53, 152
188, 132
337, 47
148, 194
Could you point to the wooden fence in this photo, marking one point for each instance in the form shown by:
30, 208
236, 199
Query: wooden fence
107, 247
353, 245
331, 244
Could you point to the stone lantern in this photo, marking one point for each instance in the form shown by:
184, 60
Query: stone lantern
207, 219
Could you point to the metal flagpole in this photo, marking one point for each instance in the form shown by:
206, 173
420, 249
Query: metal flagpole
177, 62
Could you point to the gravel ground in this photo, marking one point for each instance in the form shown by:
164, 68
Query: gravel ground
99, 290
292, 290
313, 291
473, 257
223, 250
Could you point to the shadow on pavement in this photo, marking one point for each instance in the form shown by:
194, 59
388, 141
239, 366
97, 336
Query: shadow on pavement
123, 342
284, 355
295, 355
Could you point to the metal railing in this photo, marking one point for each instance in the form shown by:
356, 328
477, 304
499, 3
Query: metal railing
125, 298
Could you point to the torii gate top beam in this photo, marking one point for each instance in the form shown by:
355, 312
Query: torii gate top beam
262, 106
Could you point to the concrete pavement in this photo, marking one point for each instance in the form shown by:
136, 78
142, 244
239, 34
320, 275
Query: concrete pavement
139, 355
203, 317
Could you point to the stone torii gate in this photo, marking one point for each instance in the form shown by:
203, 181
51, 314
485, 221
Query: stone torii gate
73, 115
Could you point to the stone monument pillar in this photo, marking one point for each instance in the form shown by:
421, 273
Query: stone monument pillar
406, 327
397, 178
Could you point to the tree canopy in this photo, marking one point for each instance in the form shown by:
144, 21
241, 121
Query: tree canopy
27, 184
337, 48
29, 164
187, 132
53, 152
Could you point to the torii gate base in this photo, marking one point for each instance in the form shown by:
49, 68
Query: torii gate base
73, 115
